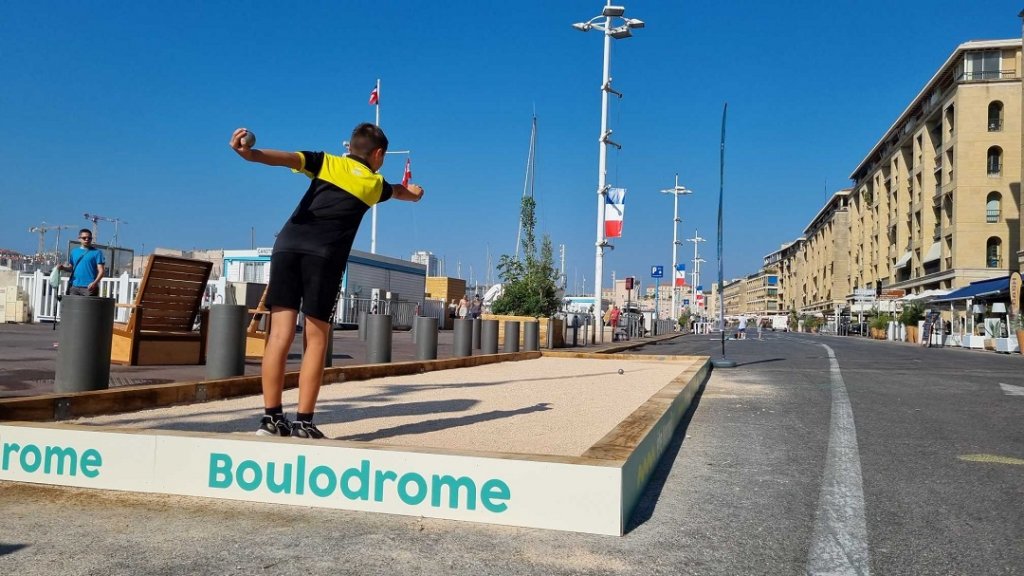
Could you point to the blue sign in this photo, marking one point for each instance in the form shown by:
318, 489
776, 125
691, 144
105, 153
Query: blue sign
680, 267
686, 301
657, 271
700, 288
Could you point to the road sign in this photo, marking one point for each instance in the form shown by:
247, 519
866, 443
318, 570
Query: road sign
657, 271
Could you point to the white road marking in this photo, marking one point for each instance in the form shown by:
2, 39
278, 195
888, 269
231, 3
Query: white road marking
1011, 390
839, 544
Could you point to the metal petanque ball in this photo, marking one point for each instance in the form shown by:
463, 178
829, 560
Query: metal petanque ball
249, 139
621, 371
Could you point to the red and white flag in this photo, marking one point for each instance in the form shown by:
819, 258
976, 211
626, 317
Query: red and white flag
614, 208
408, 172
374, 96
681, 277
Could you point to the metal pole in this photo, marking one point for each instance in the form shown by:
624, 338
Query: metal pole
378, 338
675, 244
531, 336
83, 355
489, 336
511, 336
462, 344
373, 210
225, 352
426, 338
602, 175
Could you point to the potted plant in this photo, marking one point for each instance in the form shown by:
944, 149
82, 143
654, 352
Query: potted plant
878, 325
912, 313
812, 324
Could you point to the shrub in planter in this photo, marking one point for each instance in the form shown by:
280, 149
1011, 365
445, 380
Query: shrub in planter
879, 324
912, 313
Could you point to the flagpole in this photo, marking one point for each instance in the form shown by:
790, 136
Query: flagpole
373, 211
723, 362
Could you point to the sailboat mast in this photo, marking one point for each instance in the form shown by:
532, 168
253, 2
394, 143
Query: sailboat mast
529, 180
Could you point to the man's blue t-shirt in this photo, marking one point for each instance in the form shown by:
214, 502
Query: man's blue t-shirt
85, 263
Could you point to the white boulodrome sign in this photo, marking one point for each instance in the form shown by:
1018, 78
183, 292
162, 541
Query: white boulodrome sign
517, 492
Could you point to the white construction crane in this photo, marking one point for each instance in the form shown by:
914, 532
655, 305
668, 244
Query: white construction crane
42, 229
95, 218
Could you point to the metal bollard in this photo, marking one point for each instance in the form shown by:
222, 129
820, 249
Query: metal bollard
426, 338
362, 326
489, 336
329, 352
511, 336
225, 347
378, 338
463, 338
83, 355
531, 336
476, 333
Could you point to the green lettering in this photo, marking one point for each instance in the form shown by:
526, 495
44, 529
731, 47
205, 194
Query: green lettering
285, 485
220, 470
421, 488
257, 475
453, 484
300, 476
61, 456
8, 448
314, 485
378, 484
362, 475
494, 490
37, 458
91, 461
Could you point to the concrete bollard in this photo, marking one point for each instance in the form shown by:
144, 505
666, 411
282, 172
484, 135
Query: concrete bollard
550, 340
476, 333
378, 338
225, 345
531, 336
329, 352
463, 338
489, 336
426, 338
83, 355
362, 326
511, 336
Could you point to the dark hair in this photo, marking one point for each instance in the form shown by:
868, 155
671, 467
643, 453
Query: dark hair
366, 138
85, 230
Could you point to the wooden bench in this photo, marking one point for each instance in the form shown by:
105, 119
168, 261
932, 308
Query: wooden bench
161, 324
255, 336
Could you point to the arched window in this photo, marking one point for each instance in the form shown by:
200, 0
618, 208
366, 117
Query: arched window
995, 160
992, 207
993, 252
995, 116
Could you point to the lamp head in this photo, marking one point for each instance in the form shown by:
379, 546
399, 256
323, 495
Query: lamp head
613, 11
620, 32
634, 23
582, 26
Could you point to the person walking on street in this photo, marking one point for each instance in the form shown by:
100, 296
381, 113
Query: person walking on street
463, 308
309, 257
87, 267
475, 307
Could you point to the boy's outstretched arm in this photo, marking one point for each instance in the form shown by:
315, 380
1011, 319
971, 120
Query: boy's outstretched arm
410, 193
269, 157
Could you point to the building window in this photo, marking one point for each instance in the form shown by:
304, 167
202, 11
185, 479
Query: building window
992, 207
993, 252
982, 65
995, 160
253, 272
995, 116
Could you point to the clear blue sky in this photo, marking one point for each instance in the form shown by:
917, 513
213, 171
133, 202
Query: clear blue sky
125, 110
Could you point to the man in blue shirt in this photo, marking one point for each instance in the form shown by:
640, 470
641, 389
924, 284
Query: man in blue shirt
87, 266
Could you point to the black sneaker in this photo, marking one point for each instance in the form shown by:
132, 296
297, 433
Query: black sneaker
274, 426
302, 429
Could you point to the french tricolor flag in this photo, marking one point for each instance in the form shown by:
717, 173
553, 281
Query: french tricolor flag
613, 209
680, 279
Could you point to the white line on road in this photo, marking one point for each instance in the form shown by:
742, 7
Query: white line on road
1011, 390
839, 544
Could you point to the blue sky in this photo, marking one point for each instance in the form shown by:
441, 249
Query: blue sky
125, 110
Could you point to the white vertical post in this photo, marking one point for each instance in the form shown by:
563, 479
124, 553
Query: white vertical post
373, 210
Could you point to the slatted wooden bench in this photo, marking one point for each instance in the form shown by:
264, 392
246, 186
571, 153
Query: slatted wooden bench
160, 327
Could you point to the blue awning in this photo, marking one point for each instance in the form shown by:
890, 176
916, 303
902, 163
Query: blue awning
990, 289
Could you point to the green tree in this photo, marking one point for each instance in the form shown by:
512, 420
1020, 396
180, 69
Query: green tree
529, 284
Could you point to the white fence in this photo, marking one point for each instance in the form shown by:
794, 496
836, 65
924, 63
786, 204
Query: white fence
45, 306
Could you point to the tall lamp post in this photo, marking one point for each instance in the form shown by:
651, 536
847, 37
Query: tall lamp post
696, 262
676, 191
622, 28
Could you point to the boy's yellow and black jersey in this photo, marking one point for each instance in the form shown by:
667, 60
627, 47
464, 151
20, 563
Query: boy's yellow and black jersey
327, 218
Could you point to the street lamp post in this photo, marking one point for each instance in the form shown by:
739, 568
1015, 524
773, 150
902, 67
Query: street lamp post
675, 191
696, 265
373, 209
604, 22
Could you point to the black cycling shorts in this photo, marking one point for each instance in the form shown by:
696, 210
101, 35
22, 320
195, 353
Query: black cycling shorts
311, 282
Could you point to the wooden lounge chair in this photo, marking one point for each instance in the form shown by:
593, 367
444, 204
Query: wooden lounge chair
255, 337
160, 328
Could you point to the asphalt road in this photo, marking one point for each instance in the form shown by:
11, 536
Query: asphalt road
762, 480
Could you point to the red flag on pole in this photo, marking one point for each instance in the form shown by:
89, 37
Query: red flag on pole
408, 172
374, 96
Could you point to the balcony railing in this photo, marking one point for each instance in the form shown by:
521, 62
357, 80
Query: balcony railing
984, 75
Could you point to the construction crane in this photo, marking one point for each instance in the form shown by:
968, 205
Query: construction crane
95, 219
42, 229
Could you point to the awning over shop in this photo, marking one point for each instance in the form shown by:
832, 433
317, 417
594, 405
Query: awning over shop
926, 295
933, 253
990, 289
903, 260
